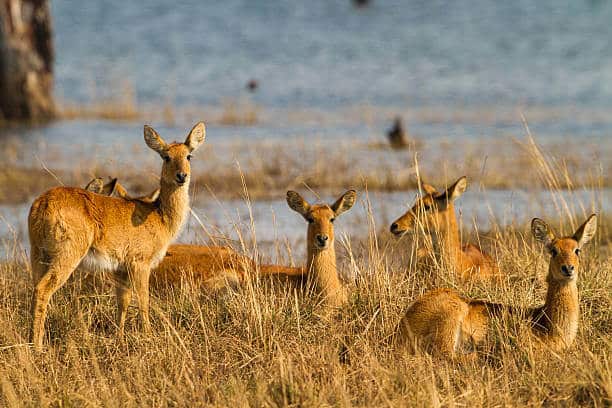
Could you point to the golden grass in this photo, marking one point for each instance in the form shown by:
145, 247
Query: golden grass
123, 106
242, 113
270, 345
127, 109
267, 345
492, 163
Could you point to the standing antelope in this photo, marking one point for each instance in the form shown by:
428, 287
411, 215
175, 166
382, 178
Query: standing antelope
442, 321
69, 226
321, 259
434, 213
213, 267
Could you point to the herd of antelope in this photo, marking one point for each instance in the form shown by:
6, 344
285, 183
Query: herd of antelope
103, 228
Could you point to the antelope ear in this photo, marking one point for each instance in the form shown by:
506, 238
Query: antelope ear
154, 141
586, 231
110, 187
428, 188
542, 232
425, 187
151, 197
196, 136
458, 188
121, 191
95, 185
344, 203
297, 203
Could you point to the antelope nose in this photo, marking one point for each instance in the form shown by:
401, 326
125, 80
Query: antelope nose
322, 239
181, 177
568, 270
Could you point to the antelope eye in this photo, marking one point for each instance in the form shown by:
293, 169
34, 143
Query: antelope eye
577, 251
426, 207
554, 251
189, 157
332, 220
167, 159
310, 220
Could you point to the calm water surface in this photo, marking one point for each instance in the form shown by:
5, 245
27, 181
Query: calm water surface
274, 223
326, 53
477, 56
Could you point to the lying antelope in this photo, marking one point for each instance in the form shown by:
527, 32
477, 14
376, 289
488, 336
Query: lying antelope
114, 188
442, 321
213, 267
71, 226
321, 257
434, 213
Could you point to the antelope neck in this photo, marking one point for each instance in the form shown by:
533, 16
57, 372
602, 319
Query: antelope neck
561, 310
322, 267
173, 205
446, 238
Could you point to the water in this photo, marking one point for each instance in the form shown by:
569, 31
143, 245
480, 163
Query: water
330, 72
325, 53
274, 225
425, 60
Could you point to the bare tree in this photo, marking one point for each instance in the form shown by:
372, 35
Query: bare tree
26, 61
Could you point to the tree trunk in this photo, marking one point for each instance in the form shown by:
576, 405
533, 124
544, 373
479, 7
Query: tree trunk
26, 61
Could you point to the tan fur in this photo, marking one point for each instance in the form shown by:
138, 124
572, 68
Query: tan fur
114, 188
321, 257
212, 267
434, 214
97, 185
445, 323
71, 226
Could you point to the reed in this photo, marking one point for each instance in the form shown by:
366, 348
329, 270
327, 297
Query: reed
325, 166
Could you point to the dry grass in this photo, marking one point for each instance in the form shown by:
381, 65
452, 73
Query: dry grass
242, 113
271, 345
267, 345
21, 183
328, 167
127, 109
123, 106
117, 100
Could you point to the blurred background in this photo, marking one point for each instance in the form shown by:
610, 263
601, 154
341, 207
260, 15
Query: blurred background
327, 55
302, 94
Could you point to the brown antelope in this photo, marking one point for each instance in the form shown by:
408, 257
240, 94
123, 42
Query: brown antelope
71, 226
114, 188
321, 257
434, 213
213, 267
444, 322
